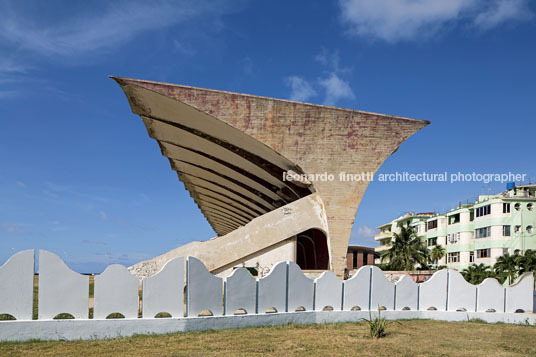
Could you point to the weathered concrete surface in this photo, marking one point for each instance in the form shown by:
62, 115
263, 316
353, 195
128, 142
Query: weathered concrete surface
315, 138
269, 230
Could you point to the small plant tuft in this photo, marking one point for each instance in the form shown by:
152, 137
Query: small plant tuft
378, 325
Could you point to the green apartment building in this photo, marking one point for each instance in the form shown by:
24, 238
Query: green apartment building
475, 233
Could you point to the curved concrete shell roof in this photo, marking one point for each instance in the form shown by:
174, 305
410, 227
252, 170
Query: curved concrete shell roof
230, 150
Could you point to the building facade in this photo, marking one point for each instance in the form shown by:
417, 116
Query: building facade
475, 233
359, 256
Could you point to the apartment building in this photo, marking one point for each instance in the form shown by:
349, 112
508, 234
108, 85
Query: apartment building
475, 233
410, 219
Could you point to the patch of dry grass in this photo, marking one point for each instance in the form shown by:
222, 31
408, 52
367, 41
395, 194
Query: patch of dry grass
410, 337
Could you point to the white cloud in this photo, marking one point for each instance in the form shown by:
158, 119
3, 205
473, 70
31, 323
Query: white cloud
8, 94
364, 235
10, 66
332, 83
93, 242
11, 227
400, 20
300, 89
247, 64
336, 89
502, 11
90, 29
33, 32
20, 184
328, 59
109, 257
184, 48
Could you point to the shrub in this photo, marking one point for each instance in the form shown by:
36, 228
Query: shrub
377, 325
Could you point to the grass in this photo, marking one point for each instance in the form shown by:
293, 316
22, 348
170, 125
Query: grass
409, 338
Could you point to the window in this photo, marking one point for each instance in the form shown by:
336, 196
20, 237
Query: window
506, 208
505, 251
482, 232
453, 238
517, 229
455, 218
471, 257
483, 253
432, 224
432, 241
517, 206
506, 231
453, 257
530, 206
483, 211
529, 229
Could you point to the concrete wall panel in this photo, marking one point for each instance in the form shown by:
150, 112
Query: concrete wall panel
328, 291
300, 289
407, 294
357, 289
116, 291
16, 285
382, 292
490, 296
240, 292
462, 296
164, 292
204, 290
273, 289
61, 290
519, 294
433, 293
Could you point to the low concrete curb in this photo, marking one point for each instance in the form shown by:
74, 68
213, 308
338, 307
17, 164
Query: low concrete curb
103, 329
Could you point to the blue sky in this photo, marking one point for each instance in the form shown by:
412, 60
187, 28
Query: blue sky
80, 177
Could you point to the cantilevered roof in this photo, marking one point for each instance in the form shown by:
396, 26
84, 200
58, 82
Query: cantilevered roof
231, 150
232, 177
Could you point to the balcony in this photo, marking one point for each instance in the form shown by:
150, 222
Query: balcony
381, 248
383, 235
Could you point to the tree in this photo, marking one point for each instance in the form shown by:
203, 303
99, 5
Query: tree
437, 253
506, 267
406, 250
526, 262
475, 274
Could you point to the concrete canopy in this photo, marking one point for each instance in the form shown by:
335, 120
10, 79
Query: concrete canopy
231, 150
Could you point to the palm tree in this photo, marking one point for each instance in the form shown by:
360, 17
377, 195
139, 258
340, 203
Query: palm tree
475, 274
406, 250
506, 267
526, 262
468, 273
437, 253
